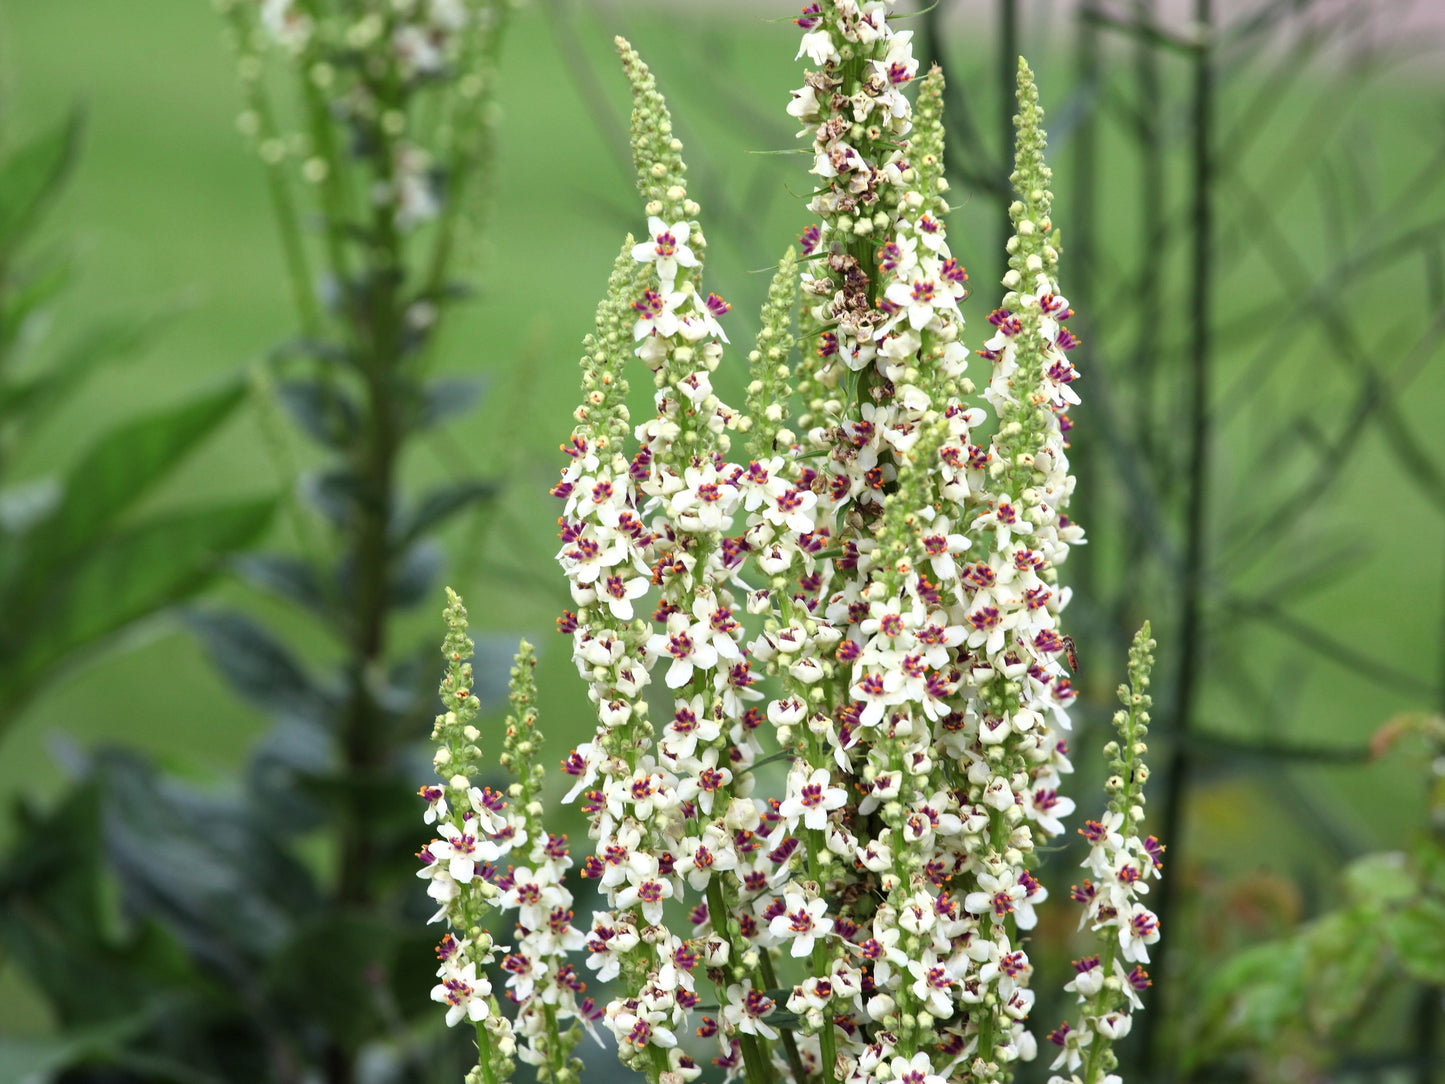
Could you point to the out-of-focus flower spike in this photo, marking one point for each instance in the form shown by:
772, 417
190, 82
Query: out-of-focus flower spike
769, 365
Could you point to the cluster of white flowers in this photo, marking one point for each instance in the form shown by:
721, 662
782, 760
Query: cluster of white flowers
888, 573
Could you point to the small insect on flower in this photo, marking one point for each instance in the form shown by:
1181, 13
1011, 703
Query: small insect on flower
1073, 654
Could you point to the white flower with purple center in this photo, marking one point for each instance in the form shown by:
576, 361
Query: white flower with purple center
802, 921
879, 691
618, 590
688, 644
1138, 929
464, 992
647, 890
703, 856
706, 502
667, 249
940, 544
462, 850
915, 1070
792, 508
920, 297
811, 798
705, 316
690, 724
933, 984
657, 313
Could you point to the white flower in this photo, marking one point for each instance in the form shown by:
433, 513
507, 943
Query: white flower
657, 313
811, 798
803, 921
940, 544
618, 591
645, 888
932, 985
916, 1070
464, 991
920, 297
804, 105
688, 644
745, 1009
287, 26
461, 850
817, 46
1138, 928
668, 249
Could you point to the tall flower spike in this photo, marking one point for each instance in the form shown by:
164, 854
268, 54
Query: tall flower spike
474, 832
1108, 984
541, 981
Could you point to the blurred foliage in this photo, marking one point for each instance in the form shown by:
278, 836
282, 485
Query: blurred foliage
1303, 1005
290, 968
79, 561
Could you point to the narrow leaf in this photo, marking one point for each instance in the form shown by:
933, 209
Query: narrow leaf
284, 576
154, 564
438, 506
32, 176
258, 666
118, 470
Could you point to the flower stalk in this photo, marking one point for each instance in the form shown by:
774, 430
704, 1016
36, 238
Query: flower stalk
855, 643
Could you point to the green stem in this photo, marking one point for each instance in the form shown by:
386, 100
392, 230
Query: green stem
755, 1059
484, 1053
770, 982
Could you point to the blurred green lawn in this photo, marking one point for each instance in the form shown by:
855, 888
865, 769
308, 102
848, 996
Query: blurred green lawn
169, 206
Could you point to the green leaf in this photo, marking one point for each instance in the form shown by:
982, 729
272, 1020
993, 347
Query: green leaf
259, 667
34, 175
1346, 959
438, 506
109, 479
1417, 934
57, 918
415, 572
337, 494
156, 563
278, 776
448, 398
284, 576
38, 1061
325, 411
201, 865
1380, 879
102, 342
26, 294
1249, 1001
354, 952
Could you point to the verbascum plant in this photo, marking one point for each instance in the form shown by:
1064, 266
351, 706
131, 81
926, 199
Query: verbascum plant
863, 609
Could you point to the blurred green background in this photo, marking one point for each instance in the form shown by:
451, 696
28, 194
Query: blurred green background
168, 212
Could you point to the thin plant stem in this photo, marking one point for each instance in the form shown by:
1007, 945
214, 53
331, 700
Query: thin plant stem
1083, 246
1192, 578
